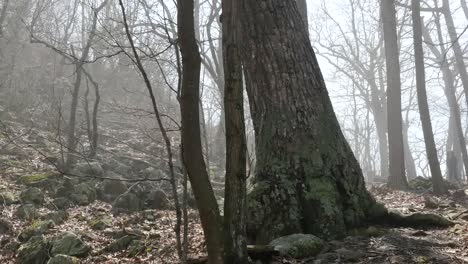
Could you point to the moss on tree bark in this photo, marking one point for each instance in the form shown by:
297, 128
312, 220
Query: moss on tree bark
307, 179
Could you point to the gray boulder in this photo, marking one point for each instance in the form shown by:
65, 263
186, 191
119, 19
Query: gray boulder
69, 244
88, 169
57, 217
35, 251
111, 189
298, 245
5, 226
27, 212
157, 199
83, 194
8, 198
126, 203
32, 195
120, 244
37, 228
101, 223
11, 247
62, 203
63, 259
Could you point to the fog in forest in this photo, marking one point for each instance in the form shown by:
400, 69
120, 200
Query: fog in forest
233, 131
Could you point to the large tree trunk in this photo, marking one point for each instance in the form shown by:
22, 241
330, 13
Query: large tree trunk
397, 177
236, 147
307, 178
431, 150
191, 137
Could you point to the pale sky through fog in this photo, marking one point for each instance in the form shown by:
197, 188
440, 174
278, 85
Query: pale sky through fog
339, 88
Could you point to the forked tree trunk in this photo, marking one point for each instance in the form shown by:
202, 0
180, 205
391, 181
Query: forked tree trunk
431, 150
191, 137
79, 63
397, 177
449, 89
307, 178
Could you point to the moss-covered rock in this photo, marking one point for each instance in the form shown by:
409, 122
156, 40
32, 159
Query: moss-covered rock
420, 183
88, 169
136, 248
35, 179
120, 244
63, 259
32, 195
101, 223
8, 198
83, 194
111, 189
69, 244
126, 203
11, 247
157, 199
27, 212
5, 226
35, 251
298, 245
62, 203
57, 217
418, 220
37, 228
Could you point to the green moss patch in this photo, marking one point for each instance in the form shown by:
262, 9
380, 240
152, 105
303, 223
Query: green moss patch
35, 178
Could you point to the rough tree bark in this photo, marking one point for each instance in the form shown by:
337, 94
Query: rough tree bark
191, 136
3, 15
431, 150
307, 178
302, 5
397, 177
235, 248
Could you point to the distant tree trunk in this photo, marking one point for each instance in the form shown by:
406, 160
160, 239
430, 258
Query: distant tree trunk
397, 177
409, 161
464, 7
381, 121
452, 32
449, 89
307, 178
431, 150
191, 136
235, 249
452, 167
181, 251
93, 140
79, 63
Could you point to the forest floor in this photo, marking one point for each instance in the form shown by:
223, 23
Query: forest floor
154, 229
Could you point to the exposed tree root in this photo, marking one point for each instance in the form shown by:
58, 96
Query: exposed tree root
416, 220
